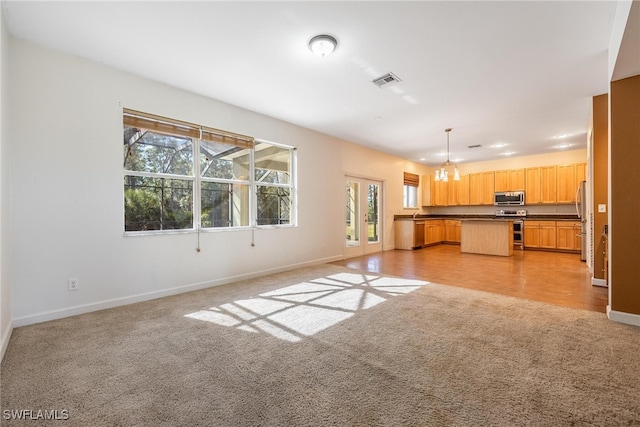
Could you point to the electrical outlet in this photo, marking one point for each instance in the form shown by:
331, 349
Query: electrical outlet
73, 284
602, 208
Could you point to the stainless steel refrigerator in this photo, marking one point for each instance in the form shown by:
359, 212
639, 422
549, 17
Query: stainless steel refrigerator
581, 211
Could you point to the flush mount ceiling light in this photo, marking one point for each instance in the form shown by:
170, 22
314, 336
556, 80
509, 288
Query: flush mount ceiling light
442, 173
323, 44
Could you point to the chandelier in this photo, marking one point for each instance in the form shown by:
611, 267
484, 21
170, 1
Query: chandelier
442, 173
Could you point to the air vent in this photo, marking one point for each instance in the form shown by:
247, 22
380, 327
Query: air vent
385, 80
474, 146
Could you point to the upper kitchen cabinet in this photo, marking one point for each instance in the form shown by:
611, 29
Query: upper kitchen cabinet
434, 193
450, 193
581, 173
458, 192
509, 180
463, 190
569, 178
427, 190
532, 192
540, 185
481, 188
566, 190
548, 183
439, 197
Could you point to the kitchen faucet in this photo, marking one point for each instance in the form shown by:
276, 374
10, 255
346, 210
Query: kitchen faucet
414, 214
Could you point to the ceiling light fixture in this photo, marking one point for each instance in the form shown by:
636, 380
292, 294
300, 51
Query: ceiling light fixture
442, 173
323, 44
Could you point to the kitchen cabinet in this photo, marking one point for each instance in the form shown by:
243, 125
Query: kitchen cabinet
487, 237
540, 234
409, 234
452, 230
427, 190
509, 180
548, 184
568, 235
463, 190
581, 173
458, 192
541, 185
532, 191
569, 179
439, 192
566, 184
481, 188
434, 193
450, 193
433, 231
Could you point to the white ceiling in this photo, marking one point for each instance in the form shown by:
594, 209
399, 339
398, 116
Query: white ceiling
502, 72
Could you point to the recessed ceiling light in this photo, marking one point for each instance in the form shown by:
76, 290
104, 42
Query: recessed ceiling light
508, 153
323, 44
564, 135
498, 145
562, 146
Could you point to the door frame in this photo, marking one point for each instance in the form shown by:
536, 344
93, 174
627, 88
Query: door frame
364, 247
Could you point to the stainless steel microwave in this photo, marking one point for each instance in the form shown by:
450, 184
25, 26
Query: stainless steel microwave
508, 198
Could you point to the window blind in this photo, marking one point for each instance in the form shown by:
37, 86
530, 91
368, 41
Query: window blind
168, 126
411, 179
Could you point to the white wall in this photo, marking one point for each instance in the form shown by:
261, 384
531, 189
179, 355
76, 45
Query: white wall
67, 196
5, 282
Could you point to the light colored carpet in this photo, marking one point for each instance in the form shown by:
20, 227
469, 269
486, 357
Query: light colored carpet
327, 346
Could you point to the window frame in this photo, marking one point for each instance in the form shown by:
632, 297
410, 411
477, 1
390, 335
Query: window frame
197, 179
293, 217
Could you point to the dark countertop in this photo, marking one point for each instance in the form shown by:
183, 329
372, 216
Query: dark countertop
532, 217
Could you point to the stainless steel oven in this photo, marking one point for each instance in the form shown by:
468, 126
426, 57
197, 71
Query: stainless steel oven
518, 233
518, 224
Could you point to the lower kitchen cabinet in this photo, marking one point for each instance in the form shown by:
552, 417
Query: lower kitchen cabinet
568, 236
433, 231
409, 234
540, 234
452, 231
553, 235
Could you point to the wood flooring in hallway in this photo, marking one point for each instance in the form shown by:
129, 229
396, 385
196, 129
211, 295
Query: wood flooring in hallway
551, 277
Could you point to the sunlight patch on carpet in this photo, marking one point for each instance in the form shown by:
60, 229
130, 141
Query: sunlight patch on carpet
304, 309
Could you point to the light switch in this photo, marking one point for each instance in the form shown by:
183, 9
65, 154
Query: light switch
602, 208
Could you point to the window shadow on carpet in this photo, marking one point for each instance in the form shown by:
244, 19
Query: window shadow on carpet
304, 309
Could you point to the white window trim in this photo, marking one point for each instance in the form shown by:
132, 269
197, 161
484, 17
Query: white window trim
196, 202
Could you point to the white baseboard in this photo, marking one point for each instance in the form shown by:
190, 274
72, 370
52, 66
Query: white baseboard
622, 317
598, 282
4, 340
116, 302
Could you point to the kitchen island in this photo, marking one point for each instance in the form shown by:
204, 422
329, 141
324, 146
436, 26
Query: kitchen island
488, 237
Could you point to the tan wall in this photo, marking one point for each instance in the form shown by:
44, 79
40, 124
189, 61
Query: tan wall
600, 178
548, 159
624, 233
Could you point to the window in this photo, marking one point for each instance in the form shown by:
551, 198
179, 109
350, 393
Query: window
274, 186
225, 183
180, 176
410, 190
158, 182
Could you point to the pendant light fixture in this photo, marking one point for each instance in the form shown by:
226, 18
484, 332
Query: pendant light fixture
442, 173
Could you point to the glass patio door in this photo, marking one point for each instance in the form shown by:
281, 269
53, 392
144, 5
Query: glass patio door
363, 216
